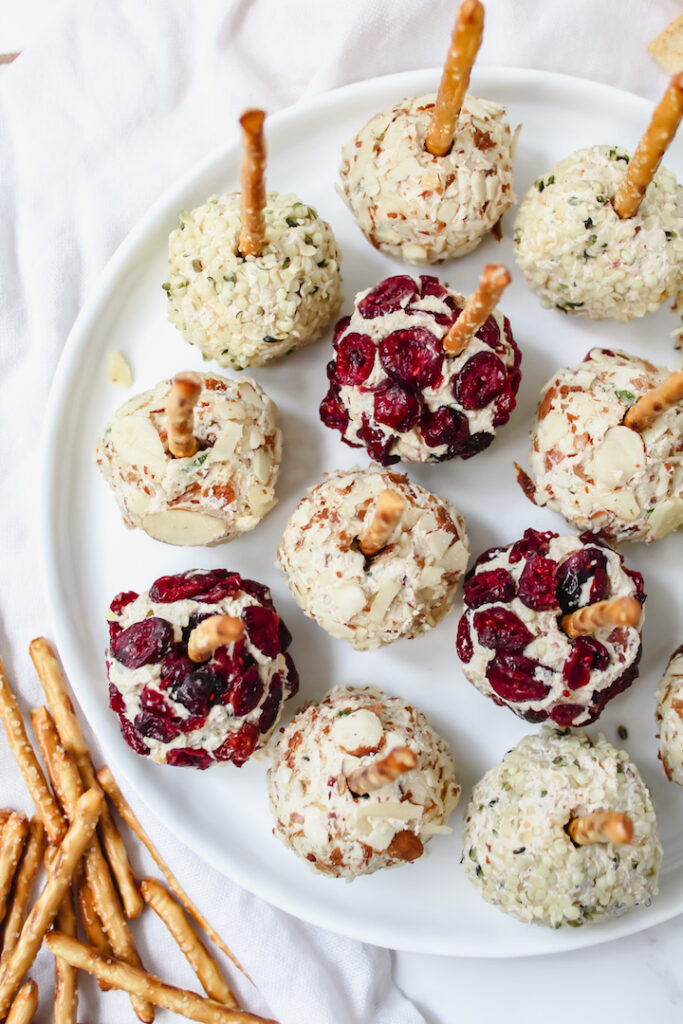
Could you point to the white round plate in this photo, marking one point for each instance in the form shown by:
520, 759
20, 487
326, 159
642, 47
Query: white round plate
223, 813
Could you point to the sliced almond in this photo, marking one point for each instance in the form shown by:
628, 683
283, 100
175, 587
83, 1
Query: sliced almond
623, 504
382, 600
137, 443
361, 730
552, 428
666, 517
262, 466
618, 457
184, 527
349, 599
118, 370
227, 441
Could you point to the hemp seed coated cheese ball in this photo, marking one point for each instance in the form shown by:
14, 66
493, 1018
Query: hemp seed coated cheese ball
252, 275
359, 782
520, 847
222, 487
423, 208
373, 557
596, 470
198, 668
669, 717
401, 391
515, 638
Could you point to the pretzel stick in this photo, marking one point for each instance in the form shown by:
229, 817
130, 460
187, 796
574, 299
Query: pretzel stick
211, 633
70, 732
601, 827
252, 183
108, 784
23, 886
4, 815
91, 922
618, 611
649, 406
493, 281
651, 148
68, 787
25, 1004
66, 976
381, 773
11, 848
185, 391
465, 43
44, 911
386, 517
46, 805
200, 960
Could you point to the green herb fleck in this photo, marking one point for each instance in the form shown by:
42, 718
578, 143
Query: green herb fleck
520, 849
343, 714
670, 235
473, 853
308, 240
566, 305
292, 222
601, 199
620, 768
197, 265
322, 263
479, 871
196, 463
544, 792
166, 286
270, 340
230, 278
285, 263
625, 396
559, 760
588, 223
622, 732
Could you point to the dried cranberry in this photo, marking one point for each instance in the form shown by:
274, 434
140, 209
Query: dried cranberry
637, 578
116, 701
532, 541
618, 686
284, 636
331, 371
484, 557
133, 737
564, 714
143, 643
505, 404
490, 334
445, 426
210, 587
238, 746
339, 329
481, 379
430, 286
292, 684
175, 666
474, 444
586, 654
247, 692
501, 629
537, 583
155, 702
377, 443
488, 586
259, 591
332, 411
507, 329
355, 358
121, 600
188, 757
388, 296
413, 356
463, 643
529, 715
396, 407
199, 689
574, 572
156, 727
512, 677
262, 626
271, 705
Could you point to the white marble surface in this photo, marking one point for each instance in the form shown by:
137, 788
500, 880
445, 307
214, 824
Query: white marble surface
639, 977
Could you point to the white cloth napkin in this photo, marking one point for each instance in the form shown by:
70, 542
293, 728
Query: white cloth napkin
113, 101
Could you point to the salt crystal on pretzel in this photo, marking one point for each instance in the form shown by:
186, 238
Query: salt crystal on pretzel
601, 827
24, 1005
23, 886
92, 925
465, 43
211, 633
185, 391
12, 841
480, 305
618, 611
385, 518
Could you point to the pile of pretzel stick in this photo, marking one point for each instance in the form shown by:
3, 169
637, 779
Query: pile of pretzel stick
88, 878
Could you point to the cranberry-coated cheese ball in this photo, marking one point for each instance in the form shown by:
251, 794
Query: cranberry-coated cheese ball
177, 711
395, 391
598, 473
246, 310
670, 717
226, 488
403, 590
316, 814
511, 643
578, 255
424, 208
516, 848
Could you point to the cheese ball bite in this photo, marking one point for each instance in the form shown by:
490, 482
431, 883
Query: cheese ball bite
514, 639
594, 469
396, 390
423, 208
252, 275
669, 717
223, 488
183, 699
359, 782
373, 593
427, 178
563, 831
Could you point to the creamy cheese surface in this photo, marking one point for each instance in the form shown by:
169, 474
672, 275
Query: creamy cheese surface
423, 208
245, 311
669, 717
213, 496
597, 473
403, 590
316, 814
578, 255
